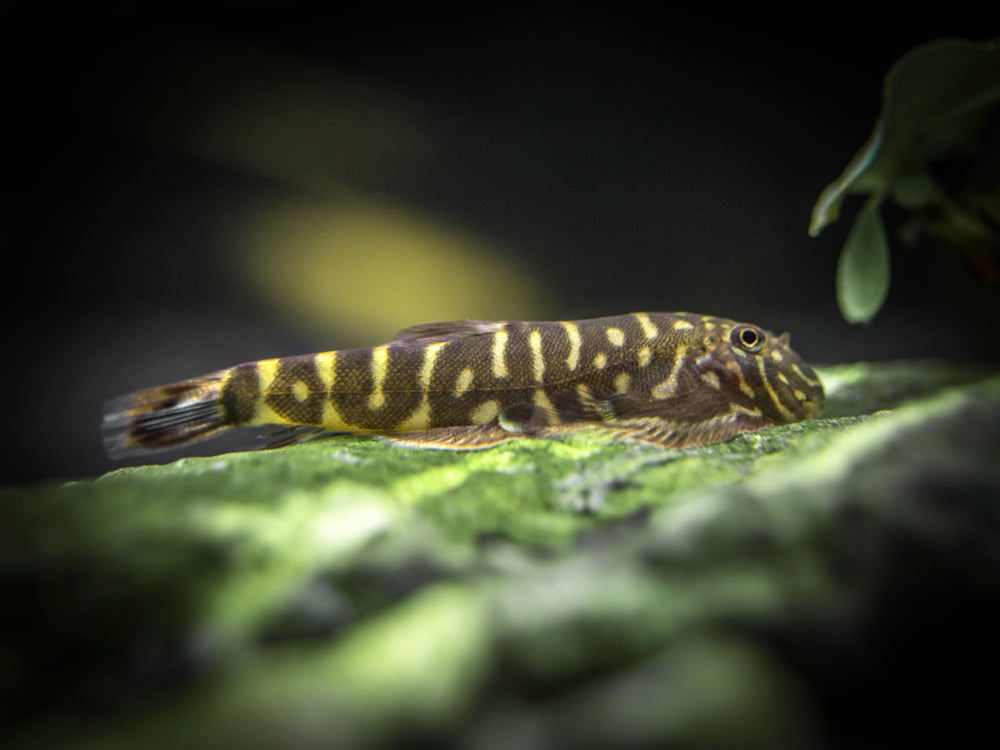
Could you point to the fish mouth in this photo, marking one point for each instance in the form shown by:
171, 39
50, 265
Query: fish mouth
805, 402
797, 392
812, 407
814, 393
812, 404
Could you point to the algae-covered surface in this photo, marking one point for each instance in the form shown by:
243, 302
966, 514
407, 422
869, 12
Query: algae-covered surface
830, 583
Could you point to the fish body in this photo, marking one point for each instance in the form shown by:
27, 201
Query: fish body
675, 379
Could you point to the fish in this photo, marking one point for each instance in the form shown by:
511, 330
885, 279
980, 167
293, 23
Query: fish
676, 380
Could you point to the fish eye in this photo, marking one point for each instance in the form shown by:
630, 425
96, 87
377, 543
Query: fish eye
748, 338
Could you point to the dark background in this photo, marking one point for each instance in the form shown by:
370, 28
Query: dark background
622, 160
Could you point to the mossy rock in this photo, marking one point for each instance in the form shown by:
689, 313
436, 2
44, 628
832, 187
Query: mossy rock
786, 588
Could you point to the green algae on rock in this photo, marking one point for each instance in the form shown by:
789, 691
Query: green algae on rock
355, 594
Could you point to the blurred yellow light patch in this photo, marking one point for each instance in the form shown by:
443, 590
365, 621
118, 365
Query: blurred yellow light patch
344, 264
363, 268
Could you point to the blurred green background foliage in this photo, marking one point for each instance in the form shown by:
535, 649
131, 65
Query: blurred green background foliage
935, 151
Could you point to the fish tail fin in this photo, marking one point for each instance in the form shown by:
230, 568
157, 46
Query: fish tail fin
164, 417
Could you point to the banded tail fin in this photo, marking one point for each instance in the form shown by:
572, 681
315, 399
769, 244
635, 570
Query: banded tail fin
164, 417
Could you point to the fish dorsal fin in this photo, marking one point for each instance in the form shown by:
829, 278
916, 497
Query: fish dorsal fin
450, 329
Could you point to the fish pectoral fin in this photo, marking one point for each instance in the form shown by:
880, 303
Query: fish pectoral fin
471, 438
669, 433
694, 406
583, 405
427, 333
673, 434
516, 423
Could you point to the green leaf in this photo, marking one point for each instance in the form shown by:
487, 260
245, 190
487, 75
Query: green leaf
827, 208
914, 191
863, 270
935, 100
